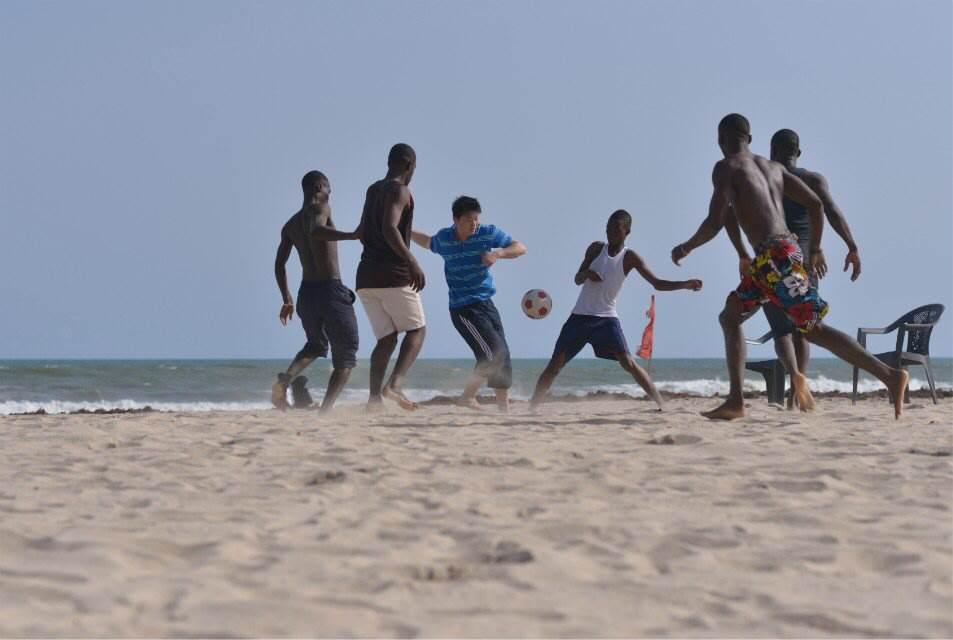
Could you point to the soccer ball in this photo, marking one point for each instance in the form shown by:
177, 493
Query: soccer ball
537, 304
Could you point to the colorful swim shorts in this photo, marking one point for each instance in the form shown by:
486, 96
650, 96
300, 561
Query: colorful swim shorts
778, 275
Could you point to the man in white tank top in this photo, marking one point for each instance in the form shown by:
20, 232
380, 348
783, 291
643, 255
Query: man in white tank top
594, 319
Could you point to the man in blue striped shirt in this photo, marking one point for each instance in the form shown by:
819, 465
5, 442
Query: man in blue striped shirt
469, 249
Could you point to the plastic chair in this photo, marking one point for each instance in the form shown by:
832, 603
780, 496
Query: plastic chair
775, 376
916, 326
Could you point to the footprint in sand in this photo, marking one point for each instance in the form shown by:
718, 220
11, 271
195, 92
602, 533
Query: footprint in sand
325, 477
676, 439
507, 552
446, 573
795, 486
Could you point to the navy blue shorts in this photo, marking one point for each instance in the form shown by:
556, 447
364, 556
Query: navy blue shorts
480, 325
604, 334
326, 309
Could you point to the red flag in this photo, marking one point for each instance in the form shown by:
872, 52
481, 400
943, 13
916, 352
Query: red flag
645, 349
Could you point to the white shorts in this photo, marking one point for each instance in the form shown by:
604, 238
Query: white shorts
392, 310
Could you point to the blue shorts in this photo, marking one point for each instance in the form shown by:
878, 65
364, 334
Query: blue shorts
604, 334
326, 309
480, 325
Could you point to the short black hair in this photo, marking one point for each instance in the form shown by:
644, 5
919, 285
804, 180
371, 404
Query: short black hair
310, 181
735, 123
786, 140
624, 215
464, 205
402, 156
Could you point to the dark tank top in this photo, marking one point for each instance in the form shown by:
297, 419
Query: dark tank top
797, 220
380, 267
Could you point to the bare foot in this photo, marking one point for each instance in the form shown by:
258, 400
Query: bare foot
279, 396
727, 411
801, 393
502, 400
402, 401
374, 406
898, 389
469, 403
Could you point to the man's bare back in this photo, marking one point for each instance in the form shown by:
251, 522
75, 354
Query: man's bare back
318, 256
755, 187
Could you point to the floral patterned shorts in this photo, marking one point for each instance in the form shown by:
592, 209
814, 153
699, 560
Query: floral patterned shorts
777, 275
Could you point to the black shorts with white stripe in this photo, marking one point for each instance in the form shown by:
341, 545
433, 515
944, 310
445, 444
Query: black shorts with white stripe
480, 325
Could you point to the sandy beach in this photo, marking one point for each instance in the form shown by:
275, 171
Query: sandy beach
598, 518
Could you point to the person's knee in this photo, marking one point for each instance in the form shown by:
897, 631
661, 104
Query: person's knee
627, 363
311, 351
555, 366
343, 369
388, 342
729, 317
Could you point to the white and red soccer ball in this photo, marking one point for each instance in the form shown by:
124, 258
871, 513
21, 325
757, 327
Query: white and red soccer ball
537, 304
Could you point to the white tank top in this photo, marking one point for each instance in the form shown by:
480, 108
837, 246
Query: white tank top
598, 298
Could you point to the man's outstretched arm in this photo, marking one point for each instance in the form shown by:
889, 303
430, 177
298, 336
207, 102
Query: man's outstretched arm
329, 232
281, 277
717, 210
421, 238
633, 260
835, 216
513, 250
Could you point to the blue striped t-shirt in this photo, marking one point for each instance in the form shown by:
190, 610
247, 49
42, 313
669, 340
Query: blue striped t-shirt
468, 279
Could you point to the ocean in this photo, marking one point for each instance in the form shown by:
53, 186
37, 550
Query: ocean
62, 386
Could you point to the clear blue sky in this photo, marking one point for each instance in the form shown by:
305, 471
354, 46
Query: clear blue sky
152, 150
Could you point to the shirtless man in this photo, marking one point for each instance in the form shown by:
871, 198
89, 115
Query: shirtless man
325, 305
754, 187
389, 280
786, 149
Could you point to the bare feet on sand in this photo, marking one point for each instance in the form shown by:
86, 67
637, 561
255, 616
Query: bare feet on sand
898, 389
399, 398
279, 396
801, 393
375, 405
727, 411
469, 403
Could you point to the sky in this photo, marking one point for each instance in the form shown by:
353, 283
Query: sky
151, 151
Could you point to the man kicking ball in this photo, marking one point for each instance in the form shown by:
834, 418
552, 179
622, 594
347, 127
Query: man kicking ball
469, 249
594, 319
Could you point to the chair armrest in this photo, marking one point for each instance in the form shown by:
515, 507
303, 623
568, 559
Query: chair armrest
863, 332
765, 338
869, 331
910, 325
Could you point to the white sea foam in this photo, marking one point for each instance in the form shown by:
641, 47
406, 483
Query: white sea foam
701, 388
718, 386
9, 407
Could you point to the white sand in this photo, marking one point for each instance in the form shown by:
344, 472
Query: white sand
452, 523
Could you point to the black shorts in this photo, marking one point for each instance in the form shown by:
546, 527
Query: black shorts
603, 333
326, 309
480, 325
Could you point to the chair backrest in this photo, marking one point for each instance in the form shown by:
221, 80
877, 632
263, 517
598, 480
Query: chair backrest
918, 340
